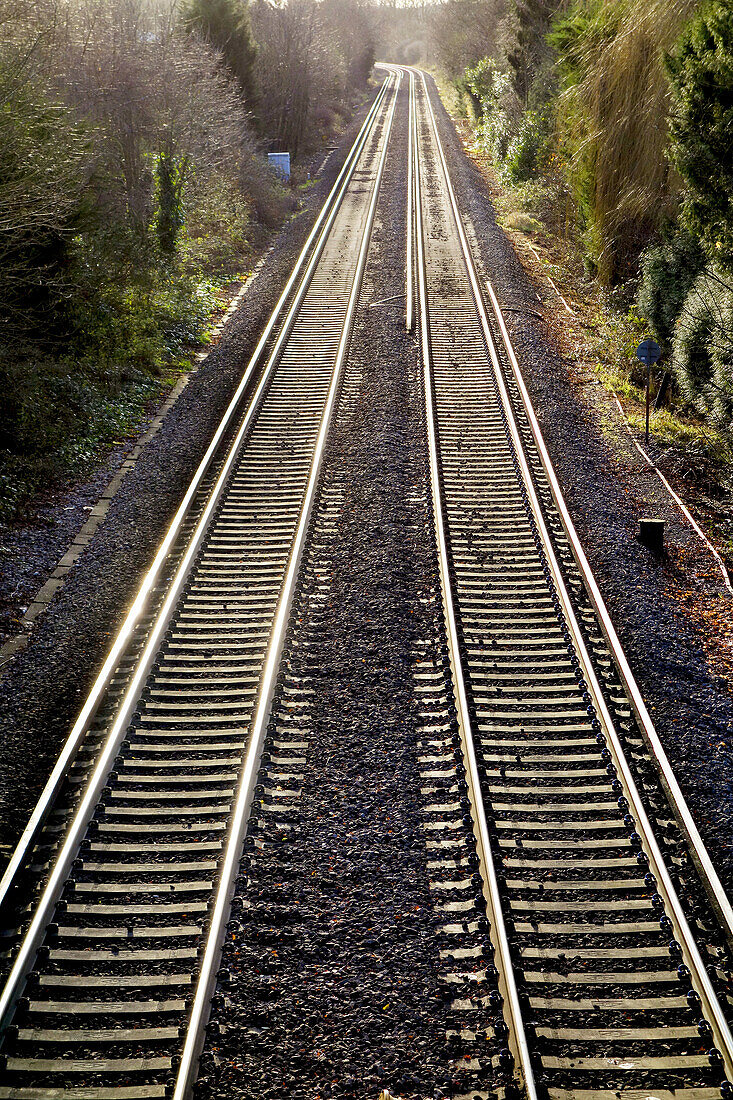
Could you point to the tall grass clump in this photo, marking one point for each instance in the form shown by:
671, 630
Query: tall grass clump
613, 120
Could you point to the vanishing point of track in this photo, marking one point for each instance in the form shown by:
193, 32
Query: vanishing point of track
572, 965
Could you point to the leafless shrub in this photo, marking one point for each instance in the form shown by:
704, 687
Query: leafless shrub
464, 31
310, 54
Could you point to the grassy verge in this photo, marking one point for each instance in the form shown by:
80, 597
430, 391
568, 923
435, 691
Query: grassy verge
64, 411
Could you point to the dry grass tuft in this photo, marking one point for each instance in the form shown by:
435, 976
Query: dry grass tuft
624, 98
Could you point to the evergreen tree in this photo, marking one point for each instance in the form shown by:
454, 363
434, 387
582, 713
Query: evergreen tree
701, 70
225, 24
668, 271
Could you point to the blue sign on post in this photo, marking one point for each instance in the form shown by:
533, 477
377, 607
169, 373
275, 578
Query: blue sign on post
280, 163
648, 351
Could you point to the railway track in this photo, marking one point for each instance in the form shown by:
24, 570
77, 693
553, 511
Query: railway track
602, 983
584, 938
109, 991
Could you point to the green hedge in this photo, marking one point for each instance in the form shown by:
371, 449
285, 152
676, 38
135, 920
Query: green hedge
702, 359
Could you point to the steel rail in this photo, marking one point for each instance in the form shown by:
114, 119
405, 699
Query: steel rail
517, 1035
95, 696
699, 976
96, 782
679, 805
217, 927
410, 261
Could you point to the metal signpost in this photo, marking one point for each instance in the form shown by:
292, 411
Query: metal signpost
648, 351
